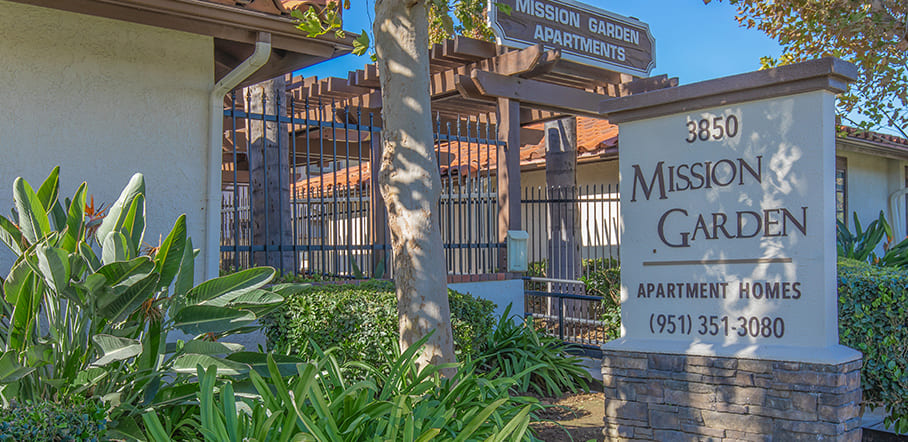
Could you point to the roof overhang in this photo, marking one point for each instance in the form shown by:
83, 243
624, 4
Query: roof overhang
234, 30
849, 144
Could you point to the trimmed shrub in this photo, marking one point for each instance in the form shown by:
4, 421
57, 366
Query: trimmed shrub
873, 318
49, 421
361, 319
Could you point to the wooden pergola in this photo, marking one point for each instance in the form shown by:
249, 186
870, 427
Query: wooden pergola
473, 80
477, 79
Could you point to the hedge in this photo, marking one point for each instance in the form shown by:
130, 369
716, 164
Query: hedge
873, 318
361, 319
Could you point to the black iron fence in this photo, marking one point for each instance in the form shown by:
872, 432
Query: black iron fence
299, 193
561, 249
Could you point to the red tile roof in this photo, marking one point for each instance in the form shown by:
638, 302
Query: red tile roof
883, 140
595, 139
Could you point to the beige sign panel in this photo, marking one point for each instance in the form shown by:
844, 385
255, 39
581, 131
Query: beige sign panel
584, 33
729, 225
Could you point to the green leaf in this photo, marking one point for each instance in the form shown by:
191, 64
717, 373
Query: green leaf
115, 216
10, 369
15, 282
89, 255
186, 275
54, 266
33, 222
115, 248
23, 317
114, 348
116, 307
170, 254
47, 193
127, 272
134, 224
259, 302
198, 319
286, 365
187, 363
361, 43
11, 236
75, 227
226, 288
207, 347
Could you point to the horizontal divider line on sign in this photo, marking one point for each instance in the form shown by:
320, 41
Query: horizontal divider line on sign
719, 261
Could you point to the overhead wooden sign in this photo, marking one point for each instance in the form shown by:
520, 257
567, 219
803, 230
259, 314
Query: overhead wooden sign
584, 33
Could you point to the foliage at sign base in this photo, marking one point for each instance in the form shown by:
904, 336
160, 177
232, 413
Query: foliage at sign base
361, 319
49, 421
873, 318
321, 401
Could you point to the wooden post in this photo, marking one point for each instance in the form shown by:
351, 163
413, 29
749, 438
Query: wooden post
508, 172
380, 240
561, 179
269, 176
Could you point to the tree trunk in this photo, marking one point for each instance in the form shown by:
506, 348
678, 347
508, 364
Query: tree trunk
409, 178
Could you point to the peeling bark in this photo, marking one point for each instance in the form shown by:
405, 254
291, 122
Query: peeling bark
409, 179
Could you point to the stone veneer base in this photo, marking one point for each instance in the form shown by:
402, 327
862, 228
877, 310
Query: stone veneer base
669, 397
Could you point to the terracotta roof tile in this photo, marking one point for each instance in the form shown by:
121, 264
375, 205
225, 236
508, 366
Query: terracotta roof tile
876, 137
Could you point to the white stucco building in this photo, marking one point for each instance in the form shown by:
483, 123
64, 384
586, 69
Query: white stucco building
106, 89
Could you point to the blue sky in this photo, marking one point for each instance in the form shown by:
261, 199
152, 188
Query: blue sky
694, 42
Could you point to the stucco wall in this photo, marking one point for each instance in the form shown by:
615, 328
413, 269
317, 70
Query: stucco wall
105, 99
870, 181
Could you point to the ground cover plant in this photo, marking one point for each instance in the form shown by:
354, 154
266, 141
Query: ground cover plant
49, 421
87, 307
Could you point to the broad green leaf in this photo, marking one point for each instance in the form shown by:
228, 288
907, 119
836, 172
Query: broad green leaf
115, 216
286, 365
58, 216
134, 224
15, 282
115, 248
185, 278
152, 345
116, 307
206, 347
170, 254
89, 255
89, 376
54, 266
33, 220
230, 286
187, 363
74, 220
198, 319
10, 369
127, 272
114, 348
259, 302
47, 193
23, 313
11, 235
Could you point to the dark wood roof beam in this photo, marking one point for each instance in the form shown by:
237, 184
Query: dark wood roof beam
545, 96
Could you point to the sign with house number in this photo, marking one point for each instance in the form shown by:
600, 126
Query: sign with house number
729, 211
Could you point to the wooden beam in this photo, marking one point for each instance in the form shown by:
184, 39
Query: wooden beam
542, 95
642, 85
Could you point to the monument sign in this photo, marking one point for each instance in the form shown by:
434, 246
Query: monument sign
583, 33
728, 260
